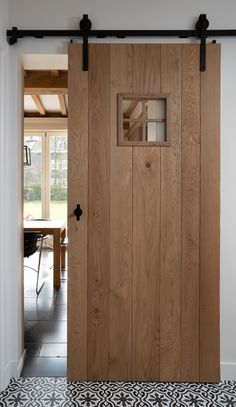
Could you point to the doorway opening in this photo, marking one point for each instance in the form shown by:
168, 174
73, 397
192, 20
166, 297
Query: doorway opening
45, 214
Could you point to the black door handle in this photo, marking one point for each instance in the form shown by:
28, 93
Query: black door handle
78, 212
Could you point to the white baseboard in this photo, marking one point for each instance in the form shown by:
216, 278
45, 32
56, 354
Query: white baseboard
21, 363
228, 371
12, 369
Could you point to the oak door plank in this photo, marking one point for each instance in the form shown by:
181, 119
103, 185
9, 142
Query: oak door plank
98, 221
120, 223
77, 231
170, 286
146, 230
210, 217
190, 213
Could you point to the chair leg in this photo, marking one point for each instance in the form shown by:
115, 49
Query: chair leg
39, 263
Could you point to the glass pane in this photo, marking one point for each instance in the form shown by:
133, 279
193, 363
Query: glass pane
32, 179
156, 132
132, 109
156, 109
58, 177
133, 131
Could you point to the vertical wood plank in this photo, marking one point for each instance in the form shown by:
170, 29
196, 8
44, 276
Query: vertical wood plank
190, 213
77, 231
98, 222
146, 230
210, 217
170, 287
120, 223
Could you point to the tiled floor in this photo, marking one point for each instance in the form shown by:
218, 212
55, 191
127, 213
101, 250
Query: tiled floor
45, 321
57, 392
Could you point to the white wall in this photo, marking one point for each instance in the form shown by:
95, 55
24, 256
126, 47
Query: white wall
3, 159
130, 14
11, 337
51, 14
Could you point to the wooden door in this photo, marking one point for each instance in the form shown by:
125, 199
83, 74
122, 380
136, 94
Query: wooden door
144, 257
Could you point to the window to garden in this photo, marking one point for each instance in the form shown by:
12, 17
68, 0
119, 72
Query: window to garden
45, 180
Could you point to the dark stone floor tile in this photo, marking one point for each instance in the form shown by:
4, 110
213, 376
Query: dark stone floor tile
45, 322
46, 331
61, 296
46, 292
38, 304
32, 349
26, 315
39, 316
59, 312
28, 326
36, 366
53, 350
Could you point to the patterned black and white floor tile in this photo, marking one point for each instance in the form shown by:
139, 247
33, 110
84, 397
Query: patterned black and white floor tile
57, 392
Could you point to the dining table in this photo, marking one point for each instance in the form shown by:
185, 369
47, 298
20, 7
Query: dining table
56, 228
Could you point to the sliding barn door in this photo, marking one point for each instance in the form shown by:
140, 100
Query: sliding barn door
144, 256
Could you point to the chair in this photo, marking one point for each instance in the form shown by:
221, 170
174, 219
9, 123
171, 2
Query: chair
33, 241
64, 246
45, 236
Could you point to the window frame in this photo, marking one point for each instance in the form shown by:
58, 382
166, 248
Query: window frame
134, 96
45, 166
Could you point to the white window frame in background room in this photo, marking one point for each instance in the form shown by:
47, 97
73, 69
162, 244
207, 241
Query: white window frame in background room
46, 173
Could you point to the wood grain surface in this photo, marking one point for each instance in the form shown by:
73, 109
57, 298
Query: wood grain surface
143, 299
98, 220
190, 213
146, 230
77, 231
170, 272
210, 217
120, 224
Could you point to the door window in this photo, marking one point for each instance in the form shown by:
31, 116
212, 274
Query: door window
142, 120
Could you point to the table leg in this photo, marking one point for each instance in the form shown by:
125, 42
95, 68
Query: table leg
63, 251
57, 258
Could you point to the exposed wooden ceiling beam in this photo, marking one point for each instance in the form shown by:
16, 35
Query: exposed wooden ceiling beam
46, 91
39, 104
62, 102
55, 72
45, 123
43, 83
48, 114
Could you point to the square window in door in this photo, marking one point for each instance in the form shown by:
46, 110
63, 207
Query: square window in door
143, 120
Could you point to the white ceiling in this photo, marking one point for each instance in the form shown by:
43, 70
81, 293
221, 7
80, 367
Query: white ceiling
29, 105
45, 61
50, 103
